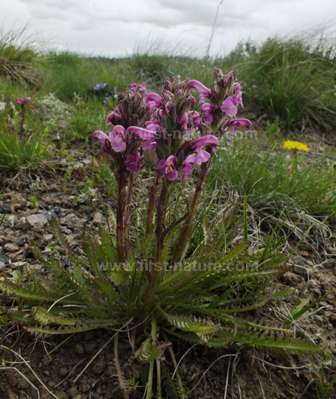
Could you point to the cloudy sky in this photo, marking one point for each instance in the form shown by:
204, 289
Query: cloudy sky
120, 27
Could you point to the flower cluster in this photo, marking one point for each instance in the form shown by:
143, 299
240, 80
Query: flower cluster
178, 130
176, 133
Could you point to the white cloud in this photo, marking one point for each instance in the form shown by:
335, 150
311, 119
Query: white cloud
115, 27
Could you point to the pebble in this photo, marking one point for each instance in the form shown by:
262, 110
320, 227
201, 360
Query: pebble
11, 220
5, 208
4, 261
98, 218
37, 220
11, 248
70, 219
48, 237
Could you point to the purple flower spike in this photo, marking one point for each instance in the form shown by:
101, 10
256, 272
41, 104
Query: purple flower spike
198, 86
118, 139
132, 162
238, 123
168, 168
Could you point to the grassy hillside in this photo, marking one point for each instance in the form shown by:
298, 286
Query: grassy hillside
290, 81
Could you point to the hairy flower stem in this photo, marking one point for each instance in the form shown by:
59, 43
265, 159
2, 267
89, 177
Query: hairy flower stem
160, 235
160, 222
184, 236
151, 206
121, 216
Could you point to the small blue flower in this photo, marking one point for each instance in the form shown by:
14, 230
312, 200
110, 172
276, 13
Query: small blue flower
99, 87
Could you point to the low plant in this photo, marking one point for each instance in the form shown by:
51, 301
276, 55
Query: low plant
143, 277
19, 147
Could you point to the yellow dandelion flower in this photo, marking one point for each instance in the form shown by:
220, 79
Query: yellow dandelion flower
293, 145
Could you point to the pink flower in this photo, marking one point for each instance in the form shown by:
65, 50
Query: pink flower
153, 125
118, 138
153, 100
197, 158
231, 103
168, 168
238, 123
207, 113
132, 162
103, 140
22, 100
198, 86
114, 117
229, 107
208, 141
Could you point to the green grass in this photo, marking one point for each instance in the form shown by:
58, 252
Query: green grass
18, 60
265, 173
67, 74
290, 80
18, 154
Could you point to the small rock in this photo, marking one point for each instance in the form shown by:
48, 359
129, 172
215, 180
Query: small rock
98, 218
21, 242
70, 219
4, 261
37, 220
28, 253
11, 248
17, 265
11, 220
292, 279
5, 208
48, 237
